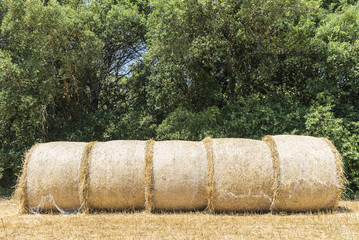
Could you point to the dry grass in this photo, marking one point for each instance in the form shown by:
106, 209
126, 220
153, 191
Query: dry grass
342, 224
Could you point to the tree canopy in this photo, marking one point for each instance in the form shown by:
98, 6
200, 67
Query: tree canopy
78, 70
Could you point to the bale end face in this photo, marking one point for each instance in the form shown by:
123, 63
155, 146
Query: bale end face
20, 193
341, 180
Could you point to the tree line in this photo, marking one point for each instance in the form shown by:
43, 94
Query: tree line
83, 70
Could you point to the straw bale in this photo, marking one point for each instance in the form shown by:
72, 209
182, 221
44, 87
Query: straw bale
53, 173
308, 179
243, 175
116, 175
285, 173
180, 175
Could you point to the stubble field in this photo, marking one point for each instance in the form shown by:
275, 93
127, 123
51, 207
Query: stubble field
341, 224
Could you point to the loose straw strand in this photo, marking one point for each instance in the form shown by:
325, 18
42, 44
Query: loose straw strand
84, 180
149, 188
269, 140
208, 144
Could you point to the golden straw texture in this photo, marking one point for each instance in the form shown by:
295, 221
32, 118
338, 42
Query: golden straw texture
308, 178
116, 173
243, 175
208, 144
84, 177
53, 176
180, 175
21, 189
149, 201
339, 172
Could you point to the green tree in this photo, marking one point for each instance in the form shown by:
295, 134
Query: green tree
56, 57
262, 65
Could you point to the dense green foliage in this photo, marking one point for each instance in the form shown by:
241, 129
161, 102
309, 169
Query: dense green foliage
178, 69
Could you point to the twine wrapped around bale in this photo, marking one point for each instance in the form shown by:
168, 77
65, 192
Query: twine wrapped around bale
306, 177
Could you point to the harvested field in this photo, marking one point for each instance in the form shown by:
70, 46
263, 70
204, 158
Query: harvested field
341, 224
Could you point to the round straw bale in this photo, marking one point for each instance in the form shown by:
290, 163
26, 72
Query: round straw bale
53, 175
243, 175
180, 175
307, 174
116, 175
